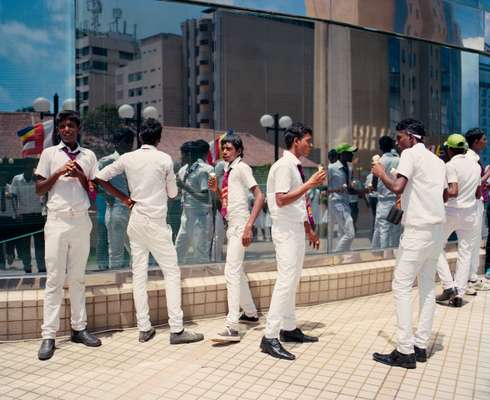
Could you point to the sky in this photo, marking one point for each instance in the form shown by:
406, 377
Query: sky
35, 45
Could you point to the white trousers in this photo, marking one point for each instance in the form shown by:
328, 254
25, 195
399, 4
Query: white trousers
116, 222
289, 243
238, 291
417, 256
475, 251
154, 235
387, 234
195, 230
67, 246
463, 221
340, 214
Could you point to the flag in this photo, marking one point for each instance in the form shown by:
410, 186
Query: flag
215, 153
36, 138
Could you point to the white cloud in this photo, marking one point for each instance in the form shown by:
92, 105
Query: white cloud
19, 31
21, 43
476, 43
5, 96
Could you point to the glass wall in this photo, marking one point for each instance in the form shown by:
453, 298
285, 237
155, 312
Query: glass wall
203, 70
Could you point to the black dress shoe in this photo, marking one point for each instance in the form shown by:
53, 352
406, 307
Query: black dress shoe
146, 335
420, 354
456, 301
396, 359
46, 350
86, 338
447, 294
297, 336
274, 348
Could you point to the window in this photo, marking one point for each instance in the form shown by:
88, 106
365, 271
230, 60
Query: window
84, 95
85, 80
99, 65
84, 51
85, 66
125, 55
99, 51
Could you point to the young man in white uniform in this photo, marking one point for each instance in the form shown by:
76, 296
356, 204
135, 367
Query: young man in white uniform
286, 193
151, 182
477, 141
237, 182
463, 178
421, 181
64, 172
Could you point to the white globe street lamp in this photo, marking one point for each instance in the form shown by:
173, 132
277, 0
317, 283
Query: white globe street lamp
69, 105
125, 111
41, 105
275, 124
150, 112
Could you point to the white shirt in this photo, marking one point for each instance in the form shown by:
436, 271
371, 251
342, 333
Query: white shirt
474, 156
337, 179
284, 177
119, 182
150, 176
67, 194
240, 181
27, 201
422, 200
389, 161
465, 172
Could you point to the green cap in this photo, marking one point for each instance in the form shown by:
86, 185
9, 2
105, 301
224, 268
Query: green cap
456, 141
345, 148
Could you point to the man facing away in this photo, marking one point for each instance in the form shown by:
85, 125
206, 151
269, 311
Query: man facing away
196, 220
477, 141
117, 214
387, 233
420, 181
463, 178
286, 193
63, 172
237, 182
151, 182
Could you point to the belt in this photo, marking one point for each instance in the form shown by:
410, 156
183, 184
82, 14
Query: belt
71, 213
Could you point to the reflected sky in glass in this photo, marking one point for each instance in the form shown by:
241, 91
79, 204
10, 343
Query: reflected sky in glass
36, 49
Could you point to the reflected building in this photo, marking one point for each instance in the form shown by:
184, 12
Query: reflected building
240, 66
484, 102
98, 56
154, 78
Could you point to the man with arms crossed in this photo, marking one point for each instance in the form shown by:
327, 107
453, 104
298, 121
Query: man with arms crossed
237, 182
420, 181
286, 190
463, 178
64, 172
151, 181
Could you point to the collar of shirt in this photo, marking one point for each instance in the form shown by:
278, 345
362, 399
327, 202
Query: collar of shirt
458, 156
473, 154
147, 147
290, 156
62, 145
229, 166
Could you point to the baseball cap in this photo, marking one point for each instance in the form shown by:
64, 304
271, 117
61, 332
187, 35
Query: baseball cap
456, 141
345, 148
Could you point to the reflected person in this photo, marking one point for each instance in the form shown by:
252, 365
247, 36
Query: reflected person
388, 234
117, 214
340, 182
29, 219
195, 226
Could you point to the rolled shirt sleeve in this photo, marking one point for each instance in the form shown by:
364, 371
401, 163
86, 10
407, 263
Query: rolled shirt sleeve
42, 168
110, 171
247, 176
171, 183
451, 174
406, 166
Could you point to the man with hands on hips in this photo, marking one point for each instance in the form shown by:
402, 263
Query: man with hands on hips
291, 221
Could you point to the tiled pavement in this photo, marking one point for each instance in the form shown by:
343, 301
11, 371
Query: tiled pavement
338, 367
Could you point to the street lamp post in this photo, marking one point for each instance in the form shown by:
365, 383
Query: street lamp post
275, 124
127, 113
43, 106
